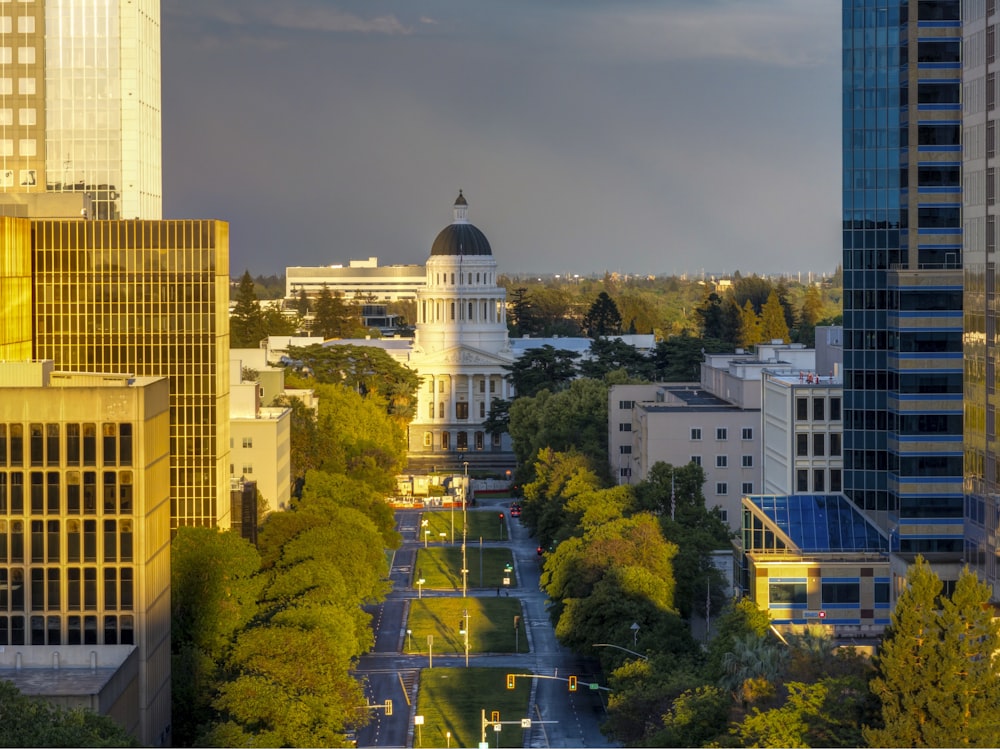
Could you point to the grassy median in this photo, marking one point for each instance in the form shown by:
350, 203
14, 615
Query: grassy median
441, 567
491, 625
453, 700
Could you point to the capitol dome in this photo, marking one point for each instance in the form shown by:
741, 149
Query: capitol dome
460, 237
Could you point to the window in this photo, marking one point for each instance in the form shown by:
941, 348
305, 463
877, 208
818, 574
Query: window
819, 409
747, 433
721, 461
25, 24
625, 427
721, 433
428, 439
440, 386
723, 515
248, 442
461, 410
819, 483
247, 469
26, 86
27, 147
802, 444
882, 594
802, 480
441, 410
747, 487
841, 593
695, 433
480, 440
625, 472
801, 409
445, 440
26, 56
836, 483
625, 405
835, 409
834, 444
721, 488
819, 444
430, 410
787, 594
625, 450
696, 459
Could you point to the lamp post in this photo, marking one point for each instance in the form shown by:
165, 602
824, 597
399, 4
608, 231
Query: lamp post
420, 587
409, 640
465, 631
465, 531
423, 524
635, 634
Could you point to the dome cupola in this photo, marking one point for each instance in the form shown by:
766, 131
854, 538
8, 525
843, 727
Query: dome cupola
460, 237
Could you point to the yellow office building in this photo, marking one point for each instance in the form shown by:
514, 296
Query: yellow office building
150, 298
15, 289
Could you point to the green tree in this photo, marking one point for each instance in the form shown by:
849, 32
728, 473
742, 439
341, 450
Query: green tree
938, 676
695, 718
498, 419
543, 368
573, 418
610, 354
32, 721
773, 326
369, 371
213, 594
740, 619
334, 318
603, 317
246, 323
522, 318
809, 316
302, 303
750, 332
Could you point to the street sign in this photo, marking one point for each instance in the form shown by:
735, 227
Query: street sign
525, 722
506, 581
418, 720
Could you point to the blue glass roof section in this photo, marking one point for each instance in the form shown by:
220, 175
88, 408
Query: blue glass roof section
821, 523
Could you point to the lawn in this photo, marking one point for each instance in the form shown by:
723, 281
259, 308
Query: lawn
484, 524
491, 625
441, 567
454, 700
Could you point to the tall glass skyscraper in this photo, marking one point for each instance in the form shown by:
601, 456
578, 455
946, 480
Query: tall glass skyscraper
902, 196
980, 212
80, 102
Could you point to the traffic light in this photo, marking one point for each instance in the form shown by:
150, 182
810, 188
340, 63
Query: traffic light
572, 683
461, 626
495, 716
510, 681
501, 516
388, 707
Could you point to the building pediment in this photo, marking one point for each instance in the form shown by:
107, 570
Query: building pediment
463, 356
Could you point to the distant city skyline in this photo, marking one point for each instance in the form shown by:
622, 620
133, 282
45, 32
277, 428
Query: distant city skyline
659, 138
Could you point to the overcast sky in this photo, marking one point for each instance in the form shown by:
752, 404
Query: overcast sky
658, 137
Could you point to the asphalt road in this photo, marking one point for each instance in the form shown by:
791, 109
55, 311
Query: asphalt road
559, 718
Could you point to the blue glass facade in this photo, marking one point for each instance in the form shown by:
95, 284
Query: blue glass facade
902, 209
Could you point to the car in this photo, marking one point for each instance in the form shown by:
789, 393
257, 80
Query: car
539, 551
515, 512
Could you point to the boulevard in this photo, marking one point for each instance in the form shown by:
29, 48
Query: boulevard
559, 718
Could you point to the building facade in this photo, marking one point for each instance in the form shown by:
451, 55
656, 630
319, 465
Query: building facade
902, 262
460, 348
80, 102
149, 298
85, 538
359, 279
980, 211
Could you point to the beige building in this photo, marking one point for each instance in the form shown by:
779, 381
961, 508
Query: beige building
260, 447
85, 541
359, 279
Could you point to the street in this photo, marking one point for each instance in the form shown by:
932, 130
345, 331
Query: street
559, 718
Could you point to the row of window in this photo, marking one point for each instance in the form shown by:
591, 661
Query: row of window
461, 410
820, 441
442, 384
66, 493
79, 590
462, 440
46, 541
69, 630
442, 278
832, 593
722, 488
823, 480
722, 433
821, 406
70, 444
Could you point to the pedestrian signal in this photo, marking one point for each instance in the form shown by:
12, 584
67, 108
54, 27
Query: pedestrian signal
572, 683
510, 681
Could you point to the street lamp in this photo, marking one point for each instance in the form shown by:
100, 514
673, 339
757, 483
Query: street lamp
420, 587
409, 640
635, 634
465, 631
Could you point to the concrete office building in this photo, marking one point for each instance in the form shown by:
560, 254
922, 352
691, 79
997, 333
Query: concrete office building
80, 102
85, 541
902, 261
151, 298
359, 279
